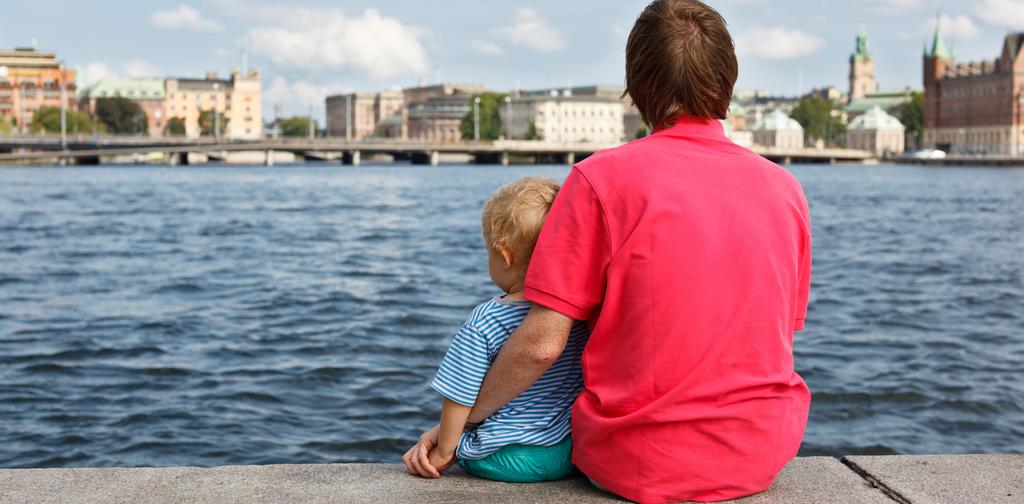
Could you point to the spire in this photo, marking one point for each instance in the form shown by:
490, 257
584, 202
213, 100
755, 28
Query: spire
938, 44
861, 52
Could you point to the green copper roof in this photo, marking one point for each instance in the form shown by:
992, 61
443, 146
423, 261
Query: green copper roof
777, 120
938, 44
133, 89
861, 53
876, 119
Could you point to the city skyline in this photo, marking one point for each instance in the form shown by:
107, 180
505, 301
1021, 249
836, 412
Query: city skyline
322, 48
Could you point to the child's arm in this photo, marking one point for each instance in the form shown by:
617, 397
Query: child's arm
457, 380
453, 420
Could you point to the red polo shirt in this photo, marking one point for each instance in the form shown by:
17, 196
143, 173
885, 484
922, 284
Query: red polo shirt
691, 258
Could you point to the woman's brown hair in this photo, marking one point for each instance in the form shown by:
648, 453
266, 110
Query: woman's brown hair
680, 60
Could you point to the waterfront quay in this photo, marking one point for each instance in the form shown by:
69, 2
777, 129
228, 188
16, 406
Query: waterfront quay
92, 150
812, 480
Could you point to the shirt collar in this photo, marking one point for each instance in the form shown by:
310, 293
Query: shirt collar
693, 127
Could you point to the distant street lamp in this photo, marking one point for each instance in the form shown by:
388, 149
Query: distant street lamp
508, 116
476, 119
1019, 148
63, 110
348, 117
216, 116
309, 122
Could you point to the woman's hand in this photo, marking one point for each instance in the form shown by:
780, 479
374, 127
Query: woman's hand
417, 459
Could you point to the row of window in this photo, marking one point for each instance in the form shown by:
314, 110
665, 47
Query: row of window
973, 91
129, 94
567, 129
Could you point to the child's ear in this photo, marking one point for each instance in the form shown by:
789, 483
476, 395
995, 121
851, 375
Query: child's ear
506, 255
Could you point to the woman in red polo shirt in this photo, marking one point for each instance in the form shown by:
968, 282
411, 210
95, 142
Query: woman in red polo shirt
691, 259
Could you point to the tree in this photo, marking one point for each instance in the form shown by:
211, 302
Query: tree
532, 133
122, 116
490, 118
296, 126
175, 127
821, 119
207, 121
47, 120
911, 114
5, 127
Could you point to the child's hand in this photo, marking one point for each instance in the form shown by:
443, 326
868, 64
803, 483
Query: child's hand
441, 461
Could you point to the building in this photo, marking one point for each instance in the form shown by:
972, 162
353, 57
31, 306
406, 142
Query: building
757, 105
739, 137
977, 107
30, 79
736, 117
147, 92
390, 113
437, 119
564, 117
864, 92
236, 101
890, 101
245, 106
780, 131
434, 113
878, 132
368, 111
862, 69
421, 93
632, 123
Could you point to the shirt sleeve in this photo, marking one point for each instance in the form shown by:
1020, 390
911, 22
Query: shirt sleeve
804, 279
568, 270
464, 366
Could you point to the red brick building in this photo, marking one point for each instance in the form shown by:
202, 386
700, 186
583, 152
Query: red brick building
976, 107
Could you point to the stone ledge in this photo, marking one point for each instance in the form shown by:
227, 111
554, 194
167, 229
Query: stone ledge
817, 480
928, 479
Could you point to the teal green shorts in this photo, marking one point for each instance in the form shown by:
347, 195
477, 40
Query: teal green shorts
518, 463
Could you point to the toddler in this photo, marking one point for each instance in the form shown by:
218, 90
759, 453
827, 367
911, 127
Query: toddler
528, 439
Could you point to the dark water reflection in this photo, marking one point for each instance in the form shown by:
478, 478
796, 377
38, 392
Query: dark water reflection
207, 316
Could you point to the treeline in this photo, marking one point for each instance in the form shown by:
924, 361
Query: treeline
116, 116
490, 119
119, 116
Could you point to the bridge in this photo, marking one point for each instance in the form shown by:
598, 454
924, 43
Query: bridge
92, 150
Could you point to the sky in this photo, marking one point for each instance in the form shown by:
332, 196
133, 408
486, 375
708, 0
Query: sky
311, 48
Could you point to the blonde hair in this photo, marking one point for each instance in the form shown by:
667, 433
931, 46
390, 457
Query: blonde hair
515, 213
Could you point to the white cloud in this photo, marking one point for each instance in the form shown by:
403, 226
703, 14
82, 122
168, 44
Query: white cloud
96, 71
140, 68
959, 27
777, 43
486, 48
315, 39
295, 97
1005, 13
892, 6
531, 31
183, 18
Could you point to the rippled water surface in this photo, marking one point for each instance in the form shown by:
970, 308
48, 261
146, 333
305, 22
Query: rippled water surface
210, 315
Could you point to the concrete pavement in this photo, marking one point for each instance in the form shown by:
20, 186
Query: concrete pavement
813, 480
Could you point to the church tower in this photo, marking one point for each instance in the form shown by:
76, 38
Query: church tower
862, 69
936, 60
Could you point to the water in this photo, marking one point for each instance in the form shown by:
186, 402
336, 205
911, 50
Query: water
208, 315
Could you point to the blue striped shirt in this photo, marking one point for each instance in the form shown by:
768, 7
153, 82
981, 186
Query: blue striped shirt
539, 416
